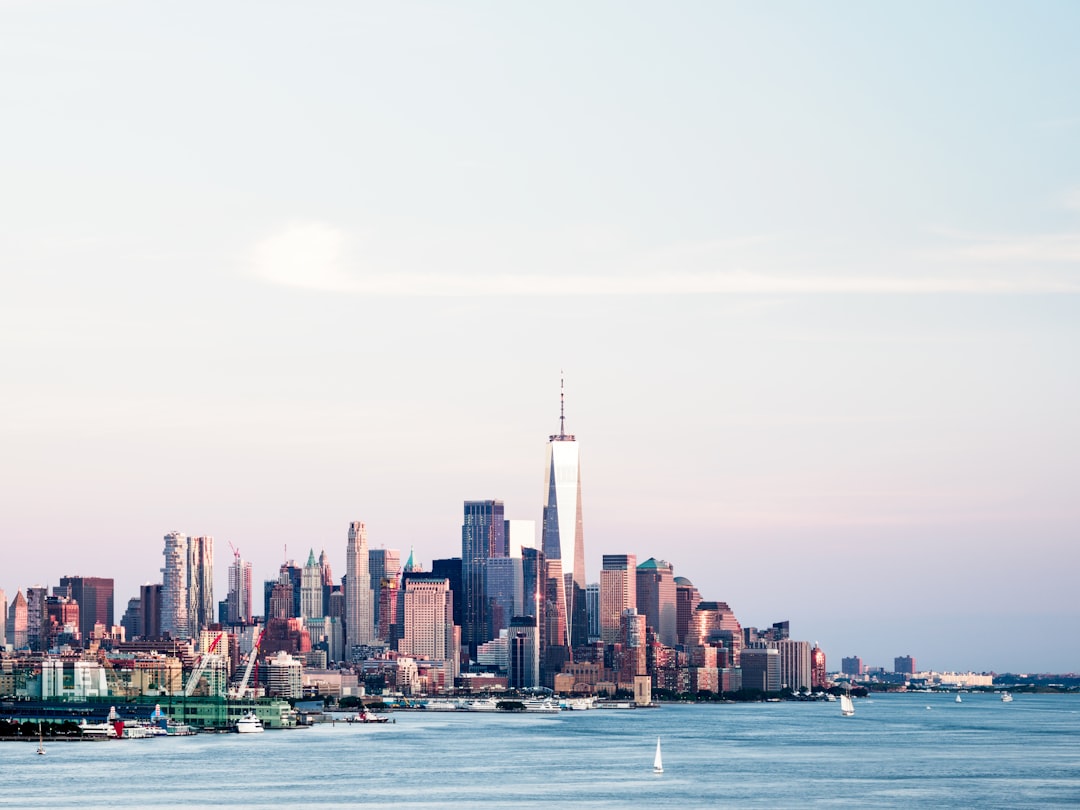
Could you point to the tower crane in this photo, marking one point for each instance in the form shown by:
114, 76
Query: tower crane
200, 667
241, 689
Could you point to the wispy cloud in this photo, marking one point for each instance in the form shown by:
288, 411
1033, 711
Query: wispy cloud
317, 256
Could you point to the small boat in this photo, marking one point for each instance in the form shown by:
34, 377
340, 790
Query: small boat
1006, 697
249, 724
847, 708
41, 739
364, 716
958, 700
658, 762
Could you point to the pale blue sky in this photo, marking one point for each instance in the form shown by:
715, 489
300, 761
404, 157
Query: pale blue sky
812, 271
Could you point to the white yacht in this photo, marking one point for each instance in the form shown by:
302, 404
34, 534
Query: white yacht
249, 724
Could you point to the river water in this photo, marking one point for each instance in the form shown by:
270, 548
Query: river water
903, 750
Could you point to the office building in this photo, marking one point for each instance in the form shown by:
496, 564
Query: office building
618, 592
852, 666
151, 598
202, 610
656, 598
562, 538
524, 653
715, 623
95, 598
904, 665
429, 630
35, 616
3, 618
18, 634
241, 590
687, 599
503, 589
174, 593
795, 664
359, 607
592, 610
483, 535
761, 668
311, 589
384, 568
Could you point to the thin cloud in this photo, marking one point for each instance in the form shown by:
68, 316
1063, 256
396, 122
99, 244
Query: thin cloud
316, 256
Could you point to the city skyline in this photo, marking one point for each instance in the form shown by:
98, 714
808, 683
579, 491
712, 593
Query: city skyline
811, 272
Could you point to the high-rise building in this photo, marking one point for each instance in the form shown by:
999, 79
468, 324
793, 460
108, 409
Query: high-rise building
483, 534
851, 666
35, 616
656, 598
687, 599
384, 566
524, 653
818, 673
449, 568
132, 619
151, 598
241, 590
17, 622
618, 591
795, 664
715, 623
503, 590
311, 589
174, 592
562, 538
359, 607
761, 668
429, 630
3, 618
95, 598
904, 665
202, 610
592, 610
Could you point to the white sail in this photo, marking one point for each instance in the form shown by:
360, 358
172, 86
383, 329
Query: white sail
658, 763
847, 708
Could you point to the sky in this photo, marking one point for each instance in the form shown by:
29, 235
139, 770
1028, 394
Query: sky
811, 273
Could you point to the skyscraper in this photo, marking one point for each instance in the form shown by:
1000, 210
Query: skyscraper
656, 598
311, 589
384, 565
429, 622
563, 541
618, 591
483, 535
3, 618
17, 622
174, 591
241, 584
202, 611
35, 615
95, 598
151, 598
359, 610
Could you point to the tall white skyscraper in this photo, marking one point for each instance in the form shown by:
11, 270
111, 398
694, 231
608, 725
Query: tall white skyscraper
241, 582
429, 622
562, 533
174, 591
311, 589
359, 602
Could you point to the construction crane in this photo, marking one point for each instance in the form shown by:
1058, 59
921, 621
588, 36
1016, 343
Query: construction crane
200, 666
241, 689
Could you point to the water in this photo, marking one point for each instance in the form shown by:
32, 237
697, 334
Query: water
892, 753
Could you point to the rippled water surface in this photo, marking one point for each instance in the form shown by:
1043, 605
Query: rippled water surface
895, 752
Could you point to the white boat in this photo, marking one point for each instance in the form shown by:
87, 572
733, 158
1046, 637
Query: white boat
480, 705
1006, 697
958, 700
847, 708
249, 724
41, 739
658, 762
545, 706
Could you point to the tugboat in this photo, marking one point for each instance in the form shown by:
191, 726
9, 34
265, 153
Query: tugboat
364, 716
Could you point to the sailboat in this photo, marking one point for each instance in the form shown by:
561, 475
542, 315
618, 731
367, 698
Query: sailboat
41, 739
658, 762
958, 700
847, 708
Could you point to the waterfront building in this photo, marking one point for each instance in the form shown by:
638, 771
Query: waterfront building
655, 584
429, 630
904, 665
795, 664
174, 593
819, 678
95, 598
618, 593
523, 653
852, 666
715, 623
241, 590
311, 589
284, 676
760, 667
483, 535
69, 679
359, 608
563, 539
201, 606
